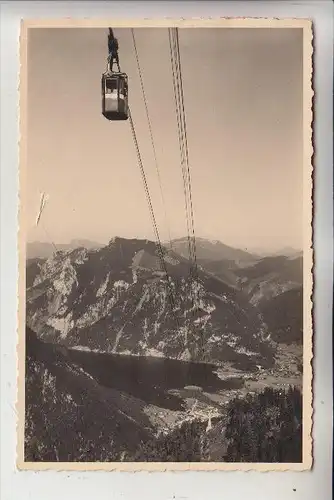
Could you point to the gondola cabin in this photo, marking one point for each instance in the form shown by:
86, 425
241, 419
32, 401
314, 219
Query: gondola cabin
115, 96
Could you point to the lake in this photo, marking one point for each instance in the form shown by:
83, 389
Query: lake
149, 378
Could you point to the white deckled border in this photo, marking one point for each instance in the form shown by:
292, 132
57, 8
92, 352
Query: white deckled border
304, 24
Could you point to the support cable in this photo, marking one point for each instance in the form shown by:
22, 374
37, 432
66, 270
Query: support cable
151, 135
182, 131
181, 142
186, 152
155, 227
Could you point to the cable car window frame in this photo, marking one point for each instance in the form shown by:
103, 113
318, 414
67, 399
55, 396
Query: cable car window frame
120, 84
111, 80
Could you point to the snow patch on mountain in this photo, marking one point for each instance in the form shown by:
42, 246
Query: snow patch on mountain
242, 350
144, 298
103, 287
80, 256
222, 297
62, 324
67, 279
170, 260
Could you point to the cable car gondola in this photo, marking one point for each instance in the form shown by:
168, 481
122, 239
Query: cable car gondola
115, 96
114, 85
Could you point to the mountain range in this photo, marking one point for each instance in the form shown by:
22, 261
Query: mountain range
124, 341
123, 298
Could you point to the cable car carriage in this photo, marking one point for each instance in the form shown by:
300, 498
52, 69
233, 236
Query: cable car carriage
115, 95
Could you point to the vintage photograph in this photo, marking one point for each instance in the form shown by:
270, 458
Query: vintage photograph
166, 244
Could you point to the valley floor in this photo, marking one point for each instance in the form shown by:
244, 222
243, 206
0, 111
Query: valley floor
205, 405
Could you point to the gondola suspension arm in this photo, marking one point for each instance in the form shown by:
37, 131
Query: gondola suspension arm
113, 56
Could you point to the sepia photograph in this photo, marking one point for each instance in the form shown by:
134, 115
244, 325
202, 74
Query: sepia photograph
165, 245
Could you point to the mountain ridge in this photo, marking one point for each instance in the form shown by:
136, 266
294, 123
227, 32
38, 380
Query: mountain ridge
212, 250
43, 250
116, 299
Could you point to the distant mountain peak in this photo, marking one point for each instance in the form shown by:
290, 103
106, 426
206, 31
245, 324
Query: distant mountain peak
212, 250
44, 250
115, 240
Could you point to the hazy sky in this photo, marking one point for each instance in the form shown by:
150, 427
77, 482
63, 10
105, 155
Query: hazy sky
243, 103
